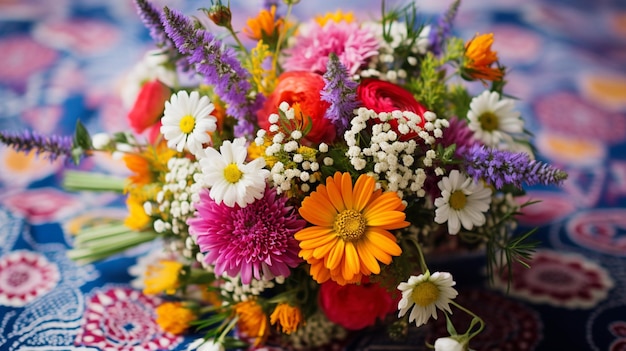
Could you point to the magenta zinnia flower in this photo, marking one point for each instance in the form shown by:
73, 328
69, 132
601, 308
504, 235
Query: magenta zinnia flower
351, 43
254, 241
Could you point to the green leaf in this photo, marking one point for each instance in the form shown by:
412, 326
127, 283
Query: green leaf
82, 137
81, 142
449, 325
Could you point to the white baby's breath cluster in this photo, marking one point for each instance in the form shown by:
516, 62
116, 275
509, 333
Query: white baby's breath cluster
296, 164
393, 160
385, 65
175, 204
232, 288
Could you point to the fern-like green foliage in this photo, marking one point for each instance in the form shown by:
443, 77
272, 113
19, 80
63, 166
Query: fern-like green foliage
430, 87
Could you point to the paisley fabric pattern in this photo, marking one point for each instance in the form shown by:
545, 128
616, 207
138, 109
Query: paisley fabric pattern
65, 60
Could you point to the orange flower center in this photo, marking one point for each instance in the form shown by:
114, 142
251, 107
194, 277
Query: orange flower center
425, 294
187, 123
458, 200
350, 225
489, 121
232, 174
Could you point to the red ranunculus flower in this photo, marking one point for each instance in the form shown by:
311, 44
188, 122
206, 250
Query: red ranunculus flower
356, 306
149, 105
382, 96
302, 88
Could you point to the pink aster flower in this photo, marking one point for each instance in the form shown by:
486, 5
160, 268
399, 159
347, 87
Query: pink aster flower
254, 241
351, 43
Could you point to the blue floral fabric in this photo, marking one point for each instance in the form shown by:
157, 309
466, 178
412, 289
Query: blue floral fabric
65, 60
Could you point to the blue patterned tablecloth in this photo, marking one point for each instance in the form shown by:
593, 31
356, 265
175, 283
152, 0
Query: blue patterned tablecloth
65, 59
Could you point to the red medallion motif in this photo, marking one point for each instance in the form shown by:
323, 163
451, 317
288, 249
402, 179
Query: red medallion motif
123, 319
25, 276
559, 279
603, 231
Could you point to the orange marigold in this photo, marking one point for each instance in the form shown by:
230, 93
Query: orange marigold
174, 317
479, 58
288, 317
252, 321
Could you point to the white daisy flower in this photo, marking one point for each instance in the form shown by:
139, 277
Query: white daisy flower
462, 202
493, 120
230, 179
187, 120
424, 294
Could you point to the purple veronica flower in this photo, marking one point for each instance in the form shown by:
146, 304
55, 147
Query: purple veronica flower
54, 146
218, 65
340, 92
502, 167
441, 31
254, 241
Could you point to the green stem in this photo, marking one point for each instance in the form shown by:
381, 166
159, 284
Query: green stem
239, 43
209, 308
226, 330
102, 250
423, 265
482, 323
281, 37
93, 233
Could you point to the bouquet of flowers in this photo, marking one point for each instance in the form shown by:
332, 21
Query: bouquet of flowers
299, 185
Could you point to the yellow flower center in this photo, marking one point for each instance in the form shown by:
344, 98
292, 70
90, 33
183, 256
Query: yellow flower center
232, 174
187, 123
458, 200
349, 225
425, 294
489, 121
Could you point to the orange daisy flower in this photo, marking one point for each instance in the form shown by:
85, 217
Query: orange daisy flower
479, 57
265, 26
350, 233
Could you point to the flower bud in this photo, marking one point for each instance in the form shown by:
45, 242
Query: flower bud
219, 14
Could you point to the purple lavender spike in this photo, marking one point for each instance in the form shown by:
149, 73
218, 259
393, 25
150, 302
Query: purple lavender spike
53, 147
218, 65
340, 92
441, 31
502, 167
